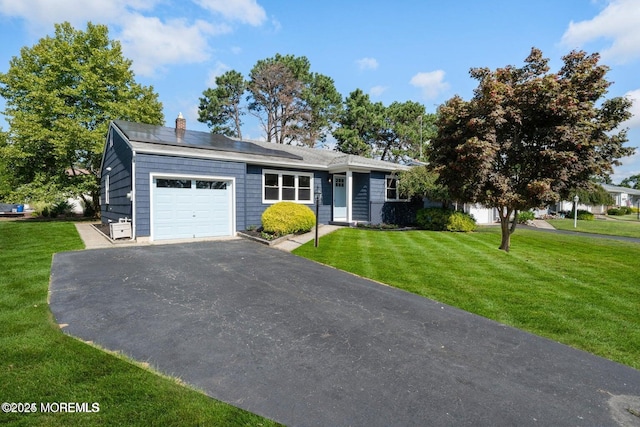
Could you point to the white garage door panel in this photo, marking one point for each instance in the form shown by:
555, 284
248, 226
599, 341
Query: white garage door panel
184, 213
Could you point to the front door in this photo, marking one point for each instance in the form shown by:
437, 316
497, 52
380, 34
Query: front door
339, 198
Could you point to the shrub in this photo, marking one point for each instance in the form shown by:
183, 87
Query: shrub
616, 211
585, 215
459, 221
525, 216
288, 217
437, 219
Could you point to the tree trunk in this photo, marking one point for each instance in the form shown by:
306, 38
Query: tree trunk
505, 214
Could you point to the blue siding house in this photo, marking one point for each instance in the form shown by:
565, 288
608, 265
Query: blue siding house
172, 183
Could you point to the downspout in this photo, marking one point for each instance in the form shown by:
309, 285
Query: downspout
133, 195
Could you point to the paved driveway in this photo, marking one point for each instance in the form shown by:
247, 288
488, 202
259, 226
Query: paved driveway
309, 345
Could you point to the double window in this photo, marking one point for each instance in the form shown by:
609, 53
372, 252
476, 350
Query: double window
392, 194
287, 186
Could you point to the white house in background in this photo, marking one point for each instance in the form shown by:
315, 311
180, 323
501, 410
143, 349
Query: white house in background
623, 196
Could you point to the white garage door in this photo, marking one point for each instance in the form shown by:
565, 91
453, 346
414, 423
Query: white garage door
186, 208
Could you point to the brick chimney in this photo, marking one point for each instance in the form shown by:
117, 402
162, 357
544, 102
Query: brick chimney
181, 123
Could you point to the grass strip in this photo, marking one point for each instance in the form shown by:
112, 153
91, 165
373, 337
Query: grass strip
625, 227
579, 291
40, 364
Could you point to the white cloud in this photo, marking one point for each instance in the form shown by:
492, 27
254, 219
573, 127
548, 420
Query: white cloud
617, 22
367, 63
246, 11
217, 71
153, 44
377, 90
150, 40
431, 83
634, 121
45, 13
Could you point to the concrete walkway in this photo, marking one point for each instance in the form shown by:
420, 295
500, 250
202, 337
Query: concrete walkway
93, 239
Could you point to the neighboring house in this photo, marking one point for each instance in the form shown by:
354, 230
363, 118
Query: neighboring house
623, 196
181, 184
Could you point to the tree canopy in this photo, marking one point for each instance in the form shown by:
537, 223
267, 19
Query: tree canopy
398, 132
60, 95
221, 108
632, 181
529, 137
292, 104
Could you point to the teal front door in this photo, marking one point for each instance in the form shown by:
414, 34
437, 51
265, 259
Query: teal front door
339, 198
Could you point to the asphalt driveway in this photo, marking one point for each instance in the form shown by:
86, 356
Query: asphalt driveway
308, 345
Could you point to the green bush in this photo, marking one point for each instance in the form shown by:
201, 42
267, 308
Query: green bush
459, 221
525, 216
437, 219
288, 217
619, 211
585, 215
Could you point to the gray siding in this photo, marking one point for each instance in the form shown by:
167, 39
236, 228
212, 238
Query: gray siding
253, 191
118, 157
147, 164
360, 198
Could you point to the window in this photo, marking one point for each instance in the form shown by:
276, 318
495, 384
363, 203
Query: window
173, 183
286, 186
107, 189
211, 185
392, 193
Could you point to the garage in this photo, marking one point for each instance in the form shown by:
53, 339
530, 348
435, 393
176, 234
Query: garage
188, 208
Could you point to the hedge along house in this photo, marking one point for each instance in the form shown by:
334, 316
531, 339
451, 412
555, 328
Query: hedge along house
172, 183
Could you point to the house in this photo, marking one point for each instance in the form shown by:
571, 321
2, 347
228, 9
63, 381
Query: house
623, 196
173, 183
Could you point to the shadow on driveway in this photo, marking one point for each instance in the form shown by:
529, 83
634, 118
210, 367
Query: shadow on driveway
308, 345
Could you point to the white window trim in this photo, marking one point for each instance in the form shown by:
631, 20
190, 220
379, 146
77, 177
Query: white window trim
398, 198
297, 177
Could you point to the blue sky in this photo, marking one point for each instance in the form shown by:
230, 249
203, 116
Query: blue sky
395, 51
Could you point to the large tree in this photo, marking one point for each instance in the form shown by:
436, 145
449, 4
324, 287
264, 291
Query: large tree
398, 132
529, 137
292, 104
632, 181
221, 108
60, 95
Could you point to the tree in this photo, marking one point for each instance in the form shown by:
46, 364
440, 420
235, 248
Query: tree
420, 181
632, 181
356, 132
400, 137
292, 104
220, 107
395, 133
60, 96
529, 137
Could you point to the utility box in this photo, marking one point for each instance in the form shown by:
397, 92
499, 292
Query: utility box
120, 229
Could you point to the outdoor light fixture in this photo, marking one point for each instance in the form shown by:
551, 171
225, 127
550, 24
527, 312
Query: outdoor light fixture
575, 211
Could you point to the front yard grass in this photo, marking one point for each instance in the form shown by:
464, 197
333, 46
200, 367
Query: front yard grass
40, 364
580, 291
618, 226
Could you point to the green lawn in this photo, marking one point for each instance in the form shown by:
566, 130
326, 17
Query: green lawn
39, 364
580, 291
620, 226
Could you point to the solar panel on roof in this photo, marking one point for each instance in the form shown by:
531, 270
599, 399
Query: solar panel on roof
169, 136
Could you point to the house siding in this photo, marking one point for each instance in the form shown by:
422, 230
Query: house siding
253, 193
118, 157
146, 164
383, 212
360, 198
